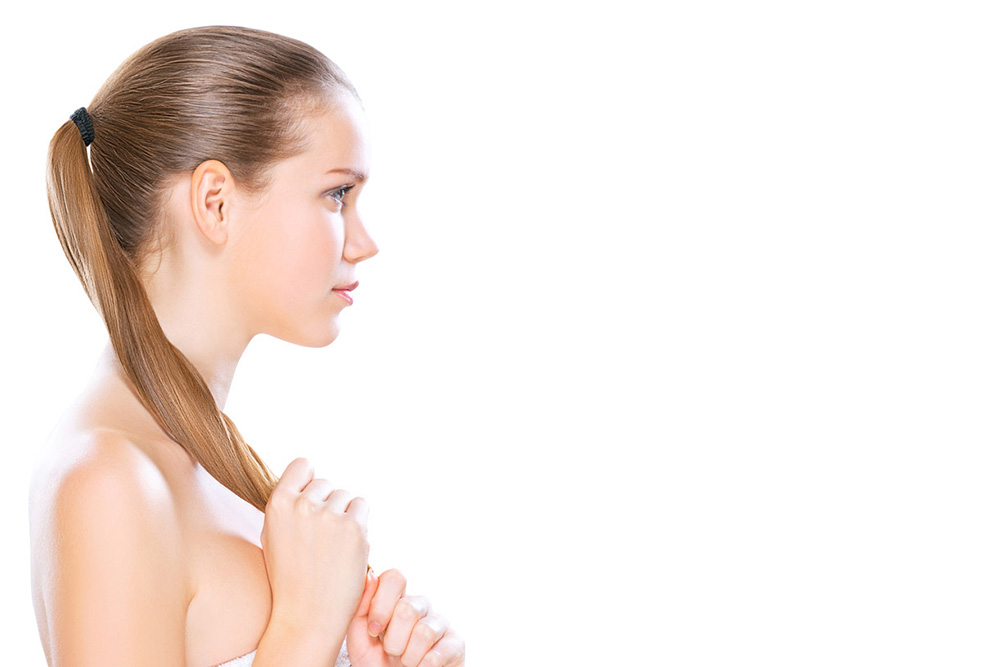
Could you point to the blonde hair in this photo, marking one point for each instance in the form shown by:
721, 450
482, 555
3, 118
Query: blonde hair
232, 94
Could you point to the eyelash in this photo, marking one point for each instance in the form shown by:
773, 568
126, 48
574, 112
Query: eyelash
344, 190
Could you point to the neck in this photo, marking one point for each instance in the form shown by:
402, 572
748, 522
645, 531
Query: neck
217, 376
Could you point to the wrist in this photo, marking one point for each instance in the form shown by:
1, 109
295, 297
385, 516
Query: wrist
314, 640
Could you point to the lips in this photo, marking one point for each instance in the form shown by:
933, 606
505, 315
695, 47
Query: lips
343, 291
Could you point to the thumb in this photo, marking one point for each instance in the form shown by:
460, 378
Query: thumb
371, 585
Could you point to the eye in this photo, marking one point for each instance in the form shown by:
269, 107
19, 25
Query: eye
339, 194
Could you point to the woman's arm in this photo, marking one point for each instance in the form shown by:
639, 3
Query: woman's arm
113, 575
285, 644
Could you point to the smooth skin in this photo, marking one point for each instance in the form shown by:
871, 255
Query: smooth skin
392, 628
315, 545
109, 584
110, 578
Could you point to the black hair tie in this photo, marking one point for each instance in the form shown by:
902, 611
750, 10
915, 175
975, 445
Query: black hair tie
84, 124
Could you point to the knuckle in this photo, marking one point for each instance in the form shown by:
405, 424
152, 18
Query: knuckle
395, 575
406, 609
439, 623
433, 658
350, 526
425, 632
306, 505
299, 462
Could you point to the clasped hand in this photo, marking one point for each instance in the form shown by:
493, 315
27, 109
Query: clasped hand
392, 629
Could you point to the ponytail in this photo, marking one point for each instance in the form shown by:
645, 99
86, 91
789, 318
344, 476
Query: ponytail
164, 380
218, 92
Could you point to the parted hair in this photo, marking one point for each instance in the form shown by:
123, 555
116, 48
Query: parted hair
232, 94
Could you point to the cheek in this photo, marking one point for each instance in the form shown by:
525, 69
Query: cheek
305, 250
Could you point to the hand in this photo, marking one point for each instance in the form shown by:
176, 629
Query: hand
407, 632
315, 548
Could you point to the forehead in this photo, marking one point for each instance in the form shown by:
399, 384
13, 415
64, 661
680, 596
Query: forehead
337, 137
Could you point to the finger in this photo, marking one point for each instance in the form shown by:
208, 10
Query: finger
358, 508
391, 587
298, 473
449, 651
338, 500
426, 633
371, 585
408, 611
318, 490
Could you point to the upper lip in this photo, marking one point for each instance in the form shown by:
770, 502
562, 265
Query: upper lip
348, 287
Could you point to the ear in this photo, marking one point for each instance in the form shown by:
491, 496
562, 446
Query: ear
211, 199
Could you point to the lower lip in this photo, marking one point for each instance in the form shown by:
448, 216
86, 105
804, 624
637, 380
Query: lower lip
345, 295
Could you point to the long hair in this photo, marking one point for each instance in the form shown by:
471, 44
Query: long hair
232, 94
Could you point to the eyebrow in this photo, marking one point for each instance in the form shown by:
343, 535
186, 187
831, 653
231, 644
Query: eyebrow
356, 174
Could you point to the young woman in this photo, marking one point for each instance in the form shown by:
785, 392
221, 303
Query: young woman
218, 203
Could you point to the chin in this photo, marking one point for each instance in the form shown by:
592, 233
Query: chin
322, 341
314, 338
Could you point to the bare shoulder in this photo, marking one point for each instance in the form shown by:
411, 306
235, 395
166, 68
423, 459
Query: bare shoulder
108, 573
102, 469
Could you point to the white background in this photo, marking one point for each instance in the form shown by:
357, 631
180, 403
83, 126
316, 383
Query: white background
681, 346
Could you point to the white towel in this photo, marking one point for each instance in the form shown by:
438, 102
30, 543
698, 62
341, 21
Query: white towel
247, 660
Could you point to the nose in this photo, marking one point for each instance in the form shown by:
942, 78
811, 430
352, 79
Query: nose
358, 243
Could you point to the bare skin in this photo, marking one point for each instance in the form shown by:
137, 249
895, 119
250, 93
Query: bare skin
241, 265
226, 590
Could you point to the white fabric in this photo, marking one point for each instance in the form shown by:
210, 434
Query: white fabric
247, 660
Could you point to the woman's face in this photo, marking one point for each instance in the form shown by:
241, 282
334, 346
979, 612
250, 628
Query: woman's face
305, 237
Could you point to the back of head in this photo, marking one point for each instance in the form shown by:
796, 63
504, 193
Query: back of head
224, 93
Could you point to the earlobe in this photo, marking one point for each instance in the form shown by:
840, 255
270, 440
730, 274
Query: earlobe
211, 190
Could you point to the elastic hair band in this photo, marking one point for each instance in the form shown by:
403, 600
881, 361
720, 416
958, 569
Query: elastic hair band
84, 124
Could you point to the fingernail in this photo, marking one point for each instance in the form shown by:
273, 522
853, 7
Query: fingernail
374, 628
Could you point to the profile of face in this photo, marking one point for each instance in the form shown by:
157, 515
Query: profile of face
293, 244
